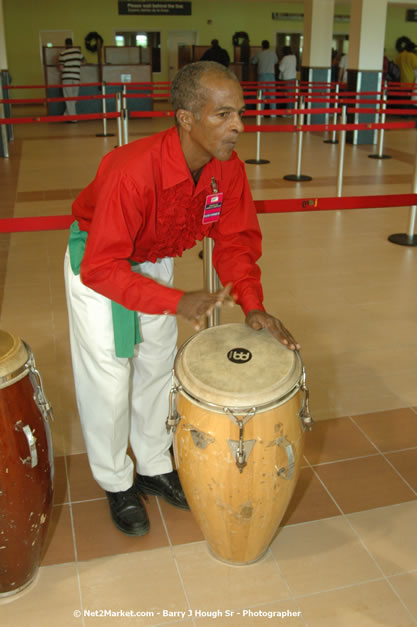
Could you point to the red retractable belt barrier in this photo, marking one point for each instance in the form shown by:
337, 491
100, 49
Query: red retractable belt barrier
286, 205
60, 118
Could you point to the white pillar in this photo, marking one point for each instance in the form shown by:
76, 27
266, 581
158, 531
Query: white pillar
318, 33
367, 34
3, 53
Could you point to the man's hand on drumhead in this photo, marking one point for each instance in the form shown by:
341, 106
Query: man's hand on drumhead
194, 306
258, 319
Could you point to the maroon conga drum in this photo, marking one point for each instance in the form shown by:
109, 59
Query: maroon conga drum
26, 465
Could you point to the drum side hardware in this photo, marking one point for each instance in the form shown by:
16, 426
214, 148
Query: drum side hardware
36, 380
241, 449
173, 416
288, 472
201, 440
304, 413
31, 461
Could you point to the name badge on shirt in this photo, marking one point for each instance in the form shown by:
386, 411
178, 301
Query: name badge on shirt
212, 208
213, 204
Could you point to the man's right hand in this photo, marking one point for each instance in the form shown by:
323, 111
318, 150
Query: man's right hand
194, 306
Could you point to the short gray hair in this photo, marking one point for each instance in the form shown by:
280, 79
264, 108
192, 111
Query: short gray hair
186, 89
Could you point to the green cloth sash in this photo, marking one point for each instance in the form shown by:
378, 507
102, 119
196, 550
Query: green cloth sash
125, 322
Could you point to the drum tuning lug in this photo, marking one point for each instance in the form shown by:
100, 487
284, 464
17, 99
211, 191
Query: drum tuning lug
241, 451
173, 416
36, 380
304, 413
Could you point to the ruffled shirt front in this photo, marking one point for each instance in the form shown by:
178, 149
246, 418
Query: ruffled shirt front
143, 205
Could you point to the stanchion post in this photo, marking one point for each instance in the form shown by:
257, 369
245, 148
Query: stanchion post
298, 100
298, 176
104, 109
125, 116
211, 280
342, 145
258, 159
333, 139
3, 129
119, 119
382, 117
410, 238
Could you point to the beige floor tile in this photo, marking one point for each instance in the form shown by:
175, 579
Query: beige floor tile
51, 600
282, 613
368, 605
389, 533
311, 556
141, 582
406, 586
210, 583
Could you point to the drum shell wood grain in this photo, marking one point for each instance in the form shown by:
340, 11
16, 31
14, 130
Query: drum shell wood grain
239, 513
25, 493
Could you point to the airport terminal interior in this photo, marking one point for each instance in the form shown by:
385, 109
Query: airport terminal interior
346, 551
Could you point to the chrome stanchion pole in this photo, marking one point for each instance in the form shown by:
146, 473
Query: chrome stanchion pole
3, 129
410, 238
334, 139
382, 117
125, 116
298, 176
342, 142
211, 280
258, 159
104, 110
119, 119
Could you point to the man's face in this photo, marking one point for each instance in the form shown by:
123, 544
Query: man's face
217, 126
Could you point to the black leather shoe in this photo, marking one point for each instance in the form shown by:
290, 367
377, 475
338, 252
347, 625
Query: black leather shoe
168, 486
128, 512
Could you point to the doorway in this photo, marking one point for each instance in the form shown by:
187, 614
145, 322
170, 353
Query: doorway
175, 39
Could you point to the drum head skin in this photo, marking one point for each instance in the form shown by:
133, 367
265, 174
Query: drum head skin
13, 356
233, 365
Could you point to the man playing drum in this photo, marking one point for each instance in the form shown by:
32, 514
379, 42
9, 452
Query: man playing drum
151, 200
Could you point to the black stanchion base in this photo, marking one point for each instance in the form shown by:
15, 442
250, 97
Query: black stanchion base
104, 134
258, 161
330, 141
294, 177
379, 157
403, 239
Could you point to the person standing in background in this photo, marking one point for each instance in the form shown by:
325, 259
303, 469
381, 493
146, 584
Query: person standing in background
266, 61
217, 54
69, 64
288, 70
407, 62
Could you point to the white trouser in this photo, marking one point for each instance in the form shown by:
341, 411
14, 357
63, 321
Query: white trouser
121, 400
70, 105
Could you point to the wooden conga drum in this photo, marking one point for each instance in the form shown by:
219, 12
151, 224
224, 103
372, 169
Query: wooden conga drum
26, 465
239, 407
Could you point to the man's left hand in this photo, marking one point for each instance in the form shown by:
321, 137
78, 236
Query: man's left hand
258, 319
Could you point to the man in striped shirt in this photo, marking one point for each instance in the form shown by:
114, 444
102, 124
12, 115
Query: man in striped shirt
69, 63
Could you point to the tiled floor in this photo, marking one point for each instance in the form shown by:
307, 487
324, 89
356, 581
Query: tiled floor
346, 551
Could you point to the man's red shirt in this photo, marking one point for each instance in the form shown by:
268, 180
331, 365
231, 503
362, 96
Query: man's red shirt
143, 205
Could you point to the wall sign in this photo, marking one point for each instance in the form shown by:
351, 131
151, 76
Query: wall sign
136, 7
